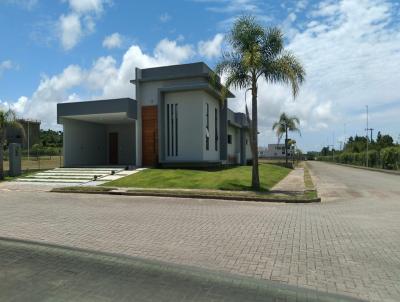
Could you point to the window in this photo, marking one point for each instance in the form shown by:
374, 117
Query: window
172, 129
168, 142
207, 127
247, 141
216, 129
229, 139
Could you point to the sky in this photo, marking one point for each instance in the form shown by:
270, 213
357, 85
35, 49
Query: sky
77, 50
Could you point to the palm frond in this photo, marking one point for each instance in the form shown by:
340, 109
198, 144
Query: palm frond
273, 43
285, 69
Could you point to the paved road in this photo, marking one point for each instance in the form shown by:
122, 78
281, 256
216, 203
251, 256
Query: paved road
349, 244
336, 182
41, 272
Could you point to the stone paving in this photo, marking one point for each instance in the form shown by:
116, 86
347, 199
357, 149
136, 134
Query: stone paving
349, 246
294, 182
41, 272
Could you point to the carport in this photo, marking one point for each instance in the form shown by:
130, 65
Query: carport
99, 133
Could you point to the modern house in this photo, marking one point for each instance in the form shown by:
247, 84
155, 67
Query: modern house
273, 151
180, 116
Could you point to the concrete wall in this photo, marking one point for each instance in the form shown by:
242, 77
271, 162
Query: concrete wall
84, 143
126, 142
190, 106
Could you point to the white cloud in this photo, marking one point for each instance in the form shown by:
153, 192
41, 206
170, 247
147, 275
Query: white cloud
168, 51
80, 21
351, 52
86, 6
113, 41
104, 79
165, 17
7, 65
211, 48
26, 4
70, 30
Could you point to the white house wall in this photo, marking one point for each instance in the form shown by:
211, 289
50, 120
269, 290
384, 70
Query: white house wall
84, 143
189, 105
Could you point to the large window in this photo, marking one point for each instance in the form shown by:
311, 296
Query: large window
207, 127
216, 129
172, 129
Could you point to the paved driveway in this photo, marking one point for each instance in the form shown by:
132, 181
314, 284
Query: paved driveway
350, 245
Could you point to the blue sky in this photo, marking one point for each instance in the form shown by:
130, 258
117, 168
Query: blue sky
70, 50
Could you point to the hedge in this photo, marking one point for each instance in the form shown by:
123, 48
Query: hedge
387, 158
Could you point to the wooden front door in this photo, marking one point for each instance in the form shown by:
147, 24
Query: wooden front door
113, 148
149, 136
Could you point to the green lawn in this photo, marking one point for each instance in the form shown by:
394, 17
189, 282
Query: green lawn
236, 178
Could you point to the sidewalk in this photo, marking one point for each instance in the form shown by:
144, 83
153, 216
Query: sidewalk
294, 182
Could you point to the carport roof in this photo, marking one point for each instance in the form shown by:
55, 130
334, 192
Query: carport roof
123, 108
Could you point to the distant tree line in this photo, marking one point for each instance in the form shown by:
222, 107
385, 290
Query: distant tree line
50, 143
382, 152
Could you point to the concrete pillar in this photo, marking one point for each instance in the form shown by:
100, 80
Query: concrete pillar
14, 159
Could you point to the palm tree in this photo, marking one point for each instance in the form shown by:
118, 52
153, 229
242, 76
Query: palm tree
283, 126
8, 120
258, 52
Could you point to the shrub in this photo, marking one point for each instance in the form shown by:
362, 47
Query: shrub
391, 158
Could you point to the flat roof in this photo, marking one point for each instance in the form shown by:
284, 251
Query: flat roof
180, 71
125, 106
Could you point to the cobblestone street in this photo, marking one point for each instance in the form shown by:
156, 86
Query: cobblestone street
348, 246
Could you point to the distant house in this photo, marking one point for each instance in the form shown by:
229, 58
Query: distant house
30, 135
273, 151
180, 116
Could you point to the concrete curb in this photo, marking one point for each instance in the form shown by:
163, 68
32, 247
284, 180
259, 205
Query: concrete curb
192, 196
392, 172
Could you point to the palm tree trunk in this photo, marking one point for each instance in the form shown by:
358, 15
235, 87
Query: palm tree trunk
286, 146
1, 161
255, 178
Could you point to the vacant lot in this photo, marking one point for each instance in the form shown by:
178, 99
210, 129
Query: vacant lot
236, 178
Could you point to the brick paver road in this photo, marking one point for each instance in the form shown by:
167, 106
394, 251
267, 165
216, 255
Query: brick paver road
349, 246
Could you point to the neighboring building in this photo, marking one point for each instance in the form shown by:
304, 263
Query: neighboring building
178, 118
273, 151
30, 135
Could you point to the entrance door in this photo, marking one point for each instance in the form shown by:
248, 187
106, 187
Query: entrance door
149, 136
113, 148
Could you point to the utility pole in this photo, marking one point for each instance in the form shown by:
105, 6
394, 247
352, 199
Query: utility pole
370, 129
367, 135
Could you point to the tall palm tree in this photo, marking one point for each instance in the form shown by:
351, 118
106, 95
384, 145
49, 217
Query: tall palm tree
8, 120
283, 126
258, 52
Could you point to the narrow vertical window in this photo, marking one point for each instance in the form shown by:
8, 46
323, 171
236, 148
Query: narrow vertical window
216, 129
168, 142
207, 127
172, 129
176, 129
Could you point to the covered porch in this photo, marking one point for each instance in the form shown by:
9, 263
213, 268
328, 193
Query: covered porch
99, 133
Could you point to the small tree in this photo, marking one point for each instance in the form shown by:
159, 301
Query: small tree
258, 52
283, 126
8, 120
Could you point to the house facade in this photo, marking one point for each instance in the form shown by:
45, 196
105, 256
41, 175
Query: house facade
180, 116
273, 151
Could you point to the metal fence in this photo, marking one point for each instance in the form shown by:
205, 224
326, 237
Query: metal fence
37, 160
